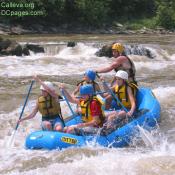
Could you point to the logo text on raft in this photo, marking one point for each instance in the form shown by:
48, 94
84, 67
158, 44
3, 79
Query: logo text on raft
69, 140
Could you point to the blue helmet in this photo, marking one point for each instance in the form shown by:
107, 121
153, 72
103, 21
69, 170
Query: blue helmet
90, 74
86, 89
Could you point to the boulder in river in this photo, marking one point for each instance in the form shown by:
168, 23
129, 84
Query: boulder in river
11, 47
71, 44
35, 48
106, 51
8, 47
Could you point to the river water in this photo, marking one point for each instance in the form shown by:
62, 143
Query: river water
62, 64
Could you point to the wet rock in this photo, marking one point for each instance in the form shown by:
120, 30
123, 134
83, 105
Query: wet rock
16, 30
71, 44
16, 50
4, 44
105, 51
8, 47
149, 54
129, 50
4, 29
35, 48
25, 51
138, 50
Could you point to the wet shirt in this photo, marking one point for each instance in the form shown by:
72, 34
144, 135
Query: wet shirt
95, 108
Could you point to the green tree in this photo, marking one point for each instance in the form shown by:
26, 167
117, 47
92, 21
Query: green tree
132, 9
93, 12
166, 13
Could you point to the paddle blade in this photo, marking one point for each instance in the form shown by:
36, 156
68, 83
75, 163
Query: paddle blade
10, 143
146, 136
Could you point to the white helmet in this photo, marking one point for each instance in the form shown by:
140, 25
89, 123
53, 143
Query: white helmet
122, 74
49, 84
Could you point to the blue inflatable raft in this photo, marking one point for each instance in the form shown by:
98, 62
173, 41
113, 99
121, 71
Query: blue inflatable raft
147, 116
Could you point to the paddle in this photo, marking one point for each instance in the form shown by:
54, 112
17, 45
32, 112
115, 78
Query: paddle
112, 94
17, 125
62, 92
67, 101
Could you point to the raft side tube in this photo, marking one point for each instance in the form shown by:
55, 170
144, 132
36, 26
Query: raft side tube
52, 140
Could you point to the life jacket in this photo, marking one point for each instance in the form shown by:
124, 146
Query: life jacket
133, 87
49, 107
131, 71
122, 94
86, 113
94, 84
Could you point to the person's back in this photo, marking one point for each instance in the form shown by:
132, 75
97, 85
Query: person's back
48, 106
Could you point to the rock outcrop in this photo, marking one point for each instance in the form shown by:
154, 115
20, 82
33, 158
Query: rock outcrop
11, 47
106, 51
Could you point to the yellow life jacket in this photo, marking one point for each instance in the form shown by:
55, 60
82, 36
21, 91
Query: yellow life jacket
122, 94
133, 87
86, 113
49, 107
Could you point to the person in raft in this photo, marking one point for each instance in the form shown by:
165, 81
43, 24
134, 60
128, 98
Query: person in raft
91, 109
120, 62
124, 93
49, 107
89, 78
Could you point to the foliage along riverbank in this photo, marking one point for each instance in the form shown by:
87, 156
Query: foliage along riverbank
87, 16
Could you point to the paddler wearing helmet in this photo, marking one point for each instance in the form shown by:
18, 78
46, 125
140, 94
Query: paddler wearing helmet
125, 95
120, 62
91, 109
88, 78
49, 107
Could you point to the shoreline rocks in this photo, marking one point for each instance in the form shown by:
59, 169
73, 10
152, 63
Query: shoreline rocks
11, 47
40, 29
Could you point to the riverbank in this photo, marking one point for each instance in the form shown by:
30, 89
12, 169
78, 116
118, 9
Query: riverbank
65, 29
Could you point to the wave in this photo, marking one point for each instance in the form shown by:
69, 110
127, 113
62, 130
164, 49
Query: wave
70, 61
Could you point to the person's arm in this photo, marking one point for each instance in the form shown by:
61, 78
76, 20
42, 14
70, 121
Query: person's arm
75, 92
72, 99
50, 91
106, 86
115, 64
97, 87
31, 115
132, 100
91, 123
105, 69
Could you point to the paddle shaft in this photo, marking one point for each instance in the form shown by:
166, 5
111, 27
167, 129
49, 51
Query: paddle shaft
112, 94
30, 88
13, 135
62, 92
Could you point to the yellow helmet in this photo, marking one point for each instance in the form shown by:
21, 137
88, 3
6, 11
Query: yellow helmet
118, 47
